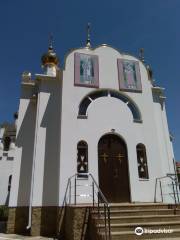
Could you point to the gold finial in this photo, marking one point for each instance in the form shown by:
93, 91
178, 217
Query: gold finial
50, 41
141, 55
88, 41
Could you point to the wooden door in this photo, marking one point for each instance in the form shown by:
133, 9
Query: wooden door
113, 168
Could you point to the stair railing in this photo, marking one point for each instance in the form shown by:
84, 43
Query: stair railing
62, 213
175, 187
102, 199
98, 200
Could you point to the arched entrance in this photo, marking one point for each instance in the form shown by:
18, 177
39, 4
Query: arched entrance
113, 168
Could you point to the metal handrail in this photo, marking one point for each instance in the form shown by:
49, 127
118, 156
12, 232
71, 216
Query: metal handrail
100, 196
175, 184
106, 209
62, 210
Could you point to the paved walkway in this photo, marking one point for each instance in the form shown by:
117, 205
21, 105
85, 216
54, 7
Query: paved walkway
19, 237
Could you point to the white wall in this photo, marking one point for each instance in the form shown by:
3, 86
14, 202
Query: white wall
21, 181
6, 169
46, 152
37, 153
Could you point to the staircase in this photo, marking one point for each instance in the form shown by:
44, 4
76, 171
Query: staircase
126, 217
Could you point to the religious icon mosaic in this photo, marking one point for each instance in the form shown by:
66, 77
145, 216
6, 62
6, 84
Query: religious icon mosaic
86, 70
129, 75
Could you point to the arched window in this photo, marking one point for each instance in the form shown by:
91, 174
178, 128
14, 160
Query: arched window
142, 161
7, 141
111, 93
82, 158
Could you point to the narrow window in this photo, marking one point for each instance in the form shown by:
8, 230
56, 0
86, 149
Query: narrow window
9, 183
7, 141
142, 161
82, 158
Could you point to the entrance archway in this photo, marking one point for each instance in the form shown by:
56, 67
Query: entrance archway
113, 168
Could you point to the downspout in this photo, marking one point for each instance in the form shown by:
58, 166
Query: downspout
33, 168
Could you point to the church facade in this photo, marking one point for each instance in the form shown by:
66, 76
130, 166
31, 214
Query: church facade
101, 114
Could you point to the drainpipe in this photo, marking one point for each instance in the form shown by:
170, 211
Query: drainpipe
33, 167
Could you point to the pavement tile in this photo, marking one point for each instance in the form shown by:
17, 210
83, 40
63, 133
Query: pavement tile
20, 237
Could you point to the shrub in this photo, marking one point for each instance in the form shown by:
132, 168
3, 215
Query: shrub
3, 213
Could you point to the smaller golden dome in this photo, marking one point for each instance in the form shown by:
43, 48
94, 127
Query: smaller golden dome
50, 57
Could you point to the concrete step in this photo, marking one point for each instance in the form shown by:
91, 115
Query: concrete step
139, 219
131, 226
130, 235
125, 217
141, 212
141, 206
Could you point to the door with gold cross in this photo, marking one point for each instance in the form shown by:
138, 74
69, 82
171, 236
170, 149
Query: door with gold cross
113, 168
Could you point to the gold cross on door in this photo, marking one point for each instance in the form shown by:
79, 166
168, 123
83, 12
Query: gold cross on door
120, 156
105, 156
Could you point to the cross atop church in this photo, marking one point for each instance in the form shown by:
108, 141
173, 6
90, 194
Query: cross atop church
88, 41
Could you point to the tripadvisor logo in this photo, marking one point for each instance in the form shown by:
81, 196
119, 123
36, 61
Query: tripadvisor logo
139, 231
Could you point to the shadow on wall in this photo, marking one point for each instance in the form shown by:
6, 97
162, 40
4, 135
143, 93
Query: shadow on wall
21, 221
25, 140
7, 199
51, 122
157, 99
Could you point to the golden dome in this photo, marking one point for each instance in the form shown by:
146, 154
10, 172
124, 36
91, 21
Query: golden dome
50, 57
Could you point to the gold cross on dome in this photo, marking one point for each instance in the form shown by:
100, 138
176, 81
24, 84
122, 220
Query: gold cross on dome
104, 155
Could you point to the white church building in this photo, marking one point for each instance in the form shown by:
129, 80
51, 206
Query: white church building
99, 115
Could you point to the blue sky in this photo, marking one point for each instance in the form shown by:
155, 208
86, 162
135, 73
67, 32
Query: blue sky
124, 24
